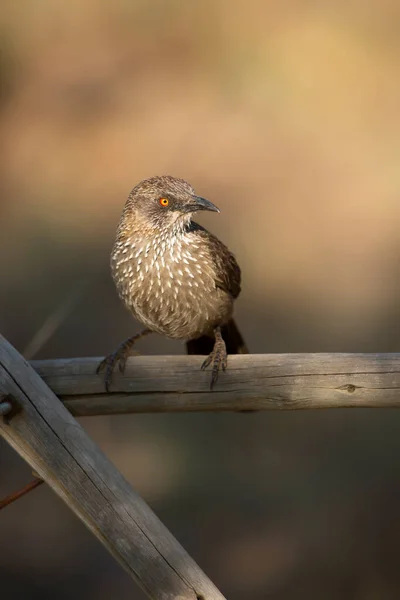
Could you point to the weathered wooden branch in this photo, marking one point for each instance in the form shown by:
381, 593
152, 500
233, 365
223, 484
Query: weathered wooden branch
251, 382
48, 437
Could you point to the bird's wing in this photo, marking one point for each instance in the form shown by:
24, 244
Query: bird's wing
228, 271
226, 268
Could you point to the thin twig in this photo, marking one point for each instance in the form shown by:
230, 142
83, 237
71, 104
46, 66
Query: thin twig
18, 494
54, 321
41, 337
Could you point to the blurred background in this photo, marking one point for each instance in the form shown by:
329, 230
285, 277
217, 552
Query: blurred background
286, 115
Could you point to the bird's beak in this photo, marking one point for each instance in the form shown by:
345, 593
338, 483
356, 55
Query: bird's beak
198, 203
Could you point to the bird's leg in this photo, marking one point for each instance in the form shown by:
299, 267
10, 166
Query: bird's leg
119, 356
218, 357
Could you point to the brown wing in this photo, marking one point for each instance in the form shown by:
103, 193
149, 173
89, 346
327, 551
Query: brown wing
227, 270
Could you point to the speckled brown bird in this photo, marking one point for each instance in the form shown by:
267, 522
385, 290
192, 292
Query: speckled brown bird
174, 276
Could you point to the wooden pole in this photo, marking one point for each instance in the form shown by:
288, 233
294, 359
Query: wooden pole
251, 382
48, 437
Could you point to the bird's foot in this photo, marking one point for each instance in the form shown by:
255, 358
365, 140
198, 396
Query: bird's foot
109, 363
119, 357
218, 357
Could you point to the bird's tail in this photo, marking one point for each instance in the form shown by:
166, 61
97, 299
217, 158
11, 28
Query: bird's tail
233, 339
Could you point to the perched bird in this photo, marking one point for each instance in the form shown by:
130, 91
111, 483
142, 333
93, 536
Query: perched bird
174, 276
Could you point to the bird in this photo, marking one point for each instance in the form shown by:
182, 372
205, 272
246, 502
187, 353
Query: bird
174, 276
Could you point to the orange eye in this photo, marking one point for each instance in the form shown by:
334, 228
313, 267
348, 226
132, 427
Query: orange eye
164, 201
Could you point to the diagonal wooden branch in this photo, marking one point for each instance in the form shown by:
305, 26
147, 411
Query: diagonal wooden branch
46, 435
251, 382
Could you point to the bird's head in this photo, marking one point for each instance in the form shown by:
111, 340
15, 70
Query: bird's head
164, 203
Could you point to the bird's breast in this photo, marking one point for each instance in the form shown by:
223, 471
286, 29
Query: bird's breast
169, 285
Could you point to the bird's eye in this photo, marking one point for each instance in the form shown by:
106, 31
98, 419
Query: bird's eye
164, 201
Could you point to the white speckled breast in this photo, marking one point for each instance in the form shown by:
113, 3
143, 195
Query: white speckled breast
169, 285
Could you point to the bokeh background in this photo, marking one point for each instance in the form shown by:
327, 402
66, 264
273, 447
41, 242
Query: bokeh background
286, 115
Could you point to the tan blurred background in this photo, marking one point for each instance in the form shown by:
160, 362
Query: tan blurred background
286, 115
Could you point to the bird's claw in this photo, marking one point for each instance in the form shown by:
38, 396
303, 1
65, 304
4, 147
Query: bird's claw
207, 361
219, 359
108, 365
122, 364
119, 356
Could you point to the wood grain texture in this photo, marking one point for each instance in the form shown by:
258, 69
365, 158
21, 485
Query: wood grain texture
46, 435
251, 382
